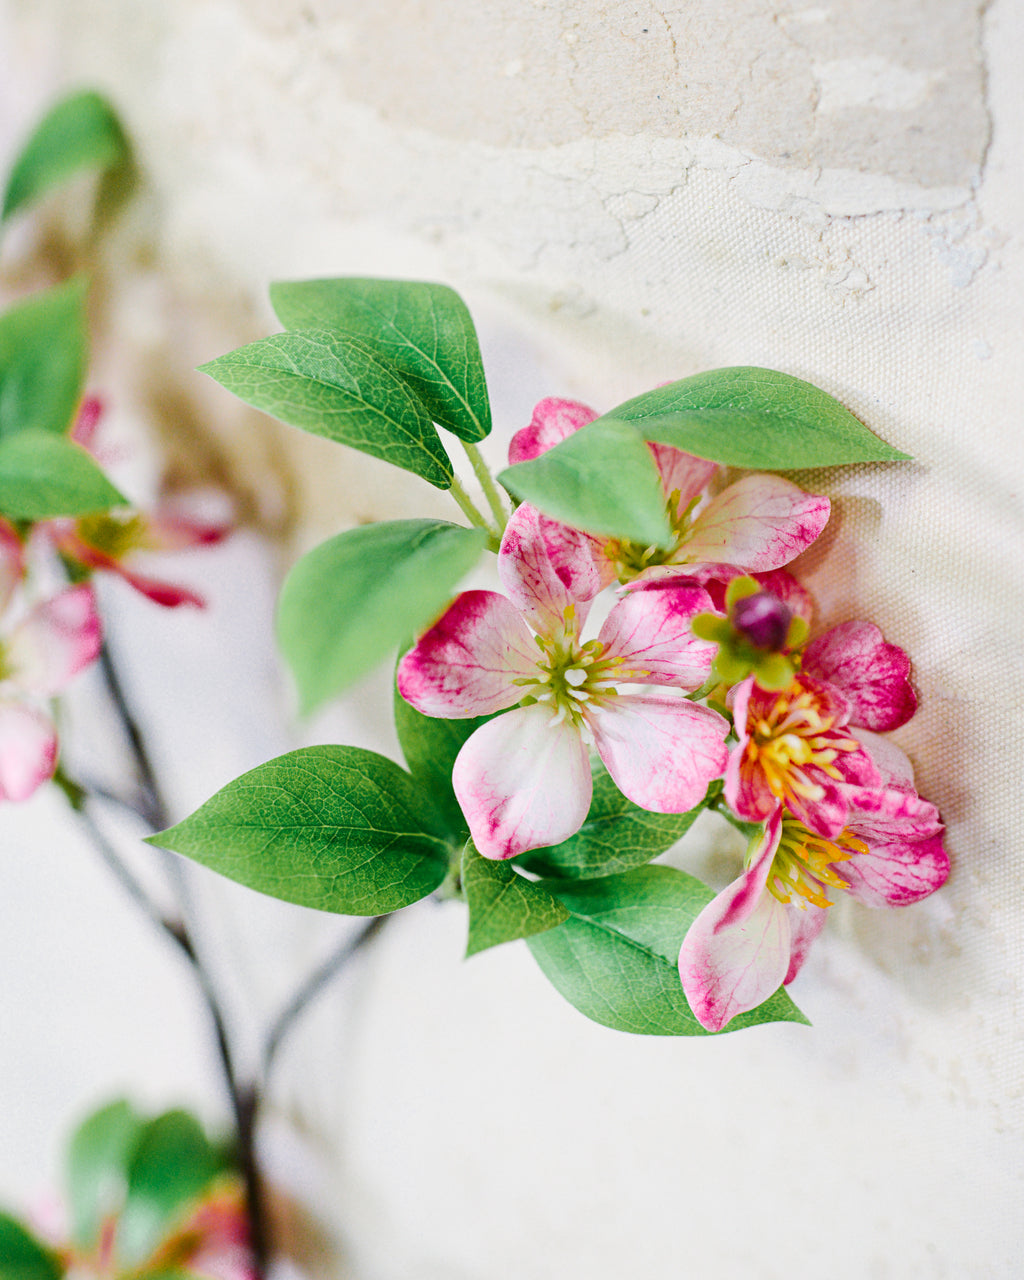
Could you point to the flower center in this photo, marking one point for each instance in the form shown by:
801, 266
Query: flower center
114, 535
803, 864
632, 558
570, 675
790, 736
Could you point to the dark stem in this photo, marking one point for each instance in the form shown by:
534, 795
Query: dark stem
244, 1098
312, 987
150, 805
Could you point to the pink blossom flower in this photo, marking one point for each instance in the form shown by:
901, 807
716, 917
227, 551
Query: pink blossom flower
756, 524
218, 1235
755, 934
110, 541
795, 748
523, 779
40, 652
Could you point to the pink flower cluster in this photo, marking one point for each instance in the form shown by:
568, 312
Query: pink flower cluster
46, 643
837, 803
43, 646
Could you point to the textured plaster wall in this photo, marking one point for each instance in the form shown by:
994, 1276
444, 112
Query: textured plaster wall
627, 194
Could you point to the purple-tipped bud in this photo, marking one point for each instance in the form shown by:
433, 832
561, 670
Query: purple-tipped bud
763, 619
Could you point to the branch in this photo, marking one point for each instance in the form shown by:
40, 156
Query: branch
312, 987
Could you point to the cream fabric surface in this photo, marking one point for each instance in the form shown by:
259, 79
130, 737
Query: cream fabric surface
629, 194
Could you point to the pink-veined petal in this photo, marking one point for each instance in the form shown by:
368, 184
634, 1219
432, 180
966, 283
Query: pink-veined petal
897, 873
737, 952
87, 420
759, 523
28, 750
823, 808
746, 788
56, 640
545, 566
893, 764
661, 750
169, 595
553, 421
523, 781
874, 675
681, 473
804, 926
648, 630
466, 663
905, 859
174, 528
12, 562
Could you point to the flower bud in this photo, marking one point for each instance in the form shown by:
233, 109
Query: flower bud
763, 619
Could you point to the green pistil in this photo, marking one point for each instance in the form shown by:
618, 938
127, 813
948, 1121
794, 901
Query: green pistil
572, 676
114, 535
632, 558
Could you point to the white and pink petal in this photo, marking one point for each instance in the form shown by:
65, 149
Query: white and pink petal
805, 923
553, 421
56, 640
759, 523
660, 749
546, 566
905, 859
737, 952
12, 562
873, 675
647, 633
682, 473
523, 781
467, 663
28, 750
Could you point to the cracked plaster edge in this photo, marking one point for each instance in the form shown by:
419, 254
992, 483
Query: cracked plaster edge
619, 164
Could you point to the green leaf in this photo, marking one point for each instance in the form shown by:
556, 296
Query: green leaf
503, 905
42, 476
756, 418
430, 746
172, 1165
339, 387
603, 479
615, 959
98, 1159
350, 602
43, 353
335, 828
22, 1256
424, 329
616, 836
80, 132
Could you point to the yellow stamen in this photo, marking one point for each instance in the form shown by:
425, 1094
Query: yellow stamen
804, 864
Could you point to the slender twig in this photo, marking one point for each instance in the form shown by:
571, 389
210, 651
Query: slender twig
244, 1098
120, 869
312, 987
469, 510
491, 491
151, 807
